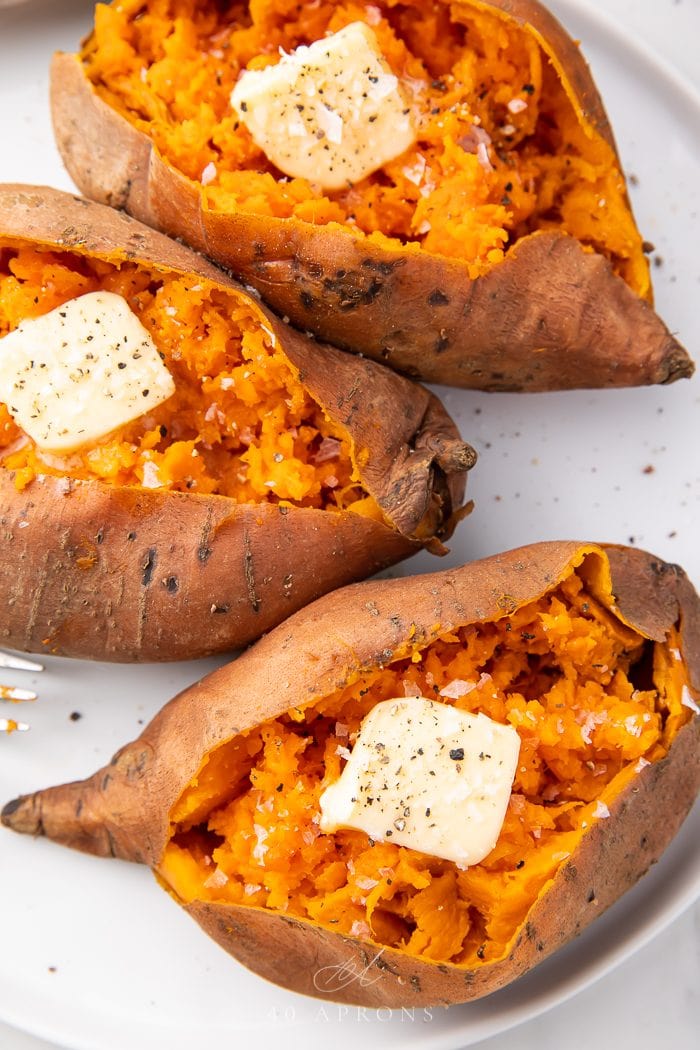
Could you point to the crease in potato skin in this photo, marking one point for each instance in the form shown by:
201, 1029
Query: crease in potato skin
127, 808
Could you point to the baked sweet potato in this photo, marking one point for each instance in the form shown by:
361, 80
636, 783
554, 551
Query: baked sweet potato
499, 252
278, 470
591, 653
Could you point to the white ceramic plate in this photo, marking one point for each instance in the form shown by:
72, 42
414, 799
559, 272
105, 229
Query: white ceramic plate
93, 955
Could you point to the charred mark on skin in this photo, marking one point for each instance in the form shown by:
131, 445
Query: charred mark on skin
249, 572
353, 289
530, 931
204, 551
382, 266
219, 610
111, 842
591, 897
11, 807
442, 342
660, 568
100, 536
438, 298
415, 983
135, 768
343, 399
131, 536
570, 873
171, 584
307, 300
79, 807
148, 567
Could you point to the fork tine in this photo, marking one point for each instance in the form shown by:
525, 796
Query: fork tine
18, 662
9, 692
8, 725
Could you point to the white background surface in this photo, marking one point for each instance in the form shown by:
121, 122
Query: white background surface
564, 465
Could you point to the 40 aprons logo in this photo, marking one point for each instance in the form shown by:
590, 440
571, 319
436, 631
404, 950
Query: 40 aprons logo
332, 979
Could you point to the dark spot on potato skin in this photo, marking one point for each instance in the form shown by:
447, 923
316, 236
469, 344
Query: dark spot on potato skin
441, 343
591, 896
106, 781
79, 807
148, 567
307, 300
131, 536
204, 553
382, 266
438, 298
171, 584
249, 573
11, 807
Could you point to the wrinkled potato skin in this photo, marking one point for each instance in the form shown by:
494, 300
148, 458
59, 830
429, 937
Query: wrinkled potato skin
550, 317
127, 574
123, 810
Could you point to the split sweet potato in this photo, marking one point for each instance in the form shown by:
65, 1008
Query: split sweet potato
499, 253
592, 654
278, 470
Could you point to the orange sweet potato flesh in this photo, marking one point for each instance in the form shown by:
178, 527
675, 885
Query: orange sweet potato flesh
105, 568
523, 276
136, 807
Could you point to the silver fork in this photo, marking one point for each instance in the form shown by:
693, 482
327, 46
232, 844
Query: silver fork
12, 693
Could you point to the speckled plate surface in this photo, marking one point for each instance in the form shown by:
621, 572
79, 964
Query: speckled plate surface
92, 954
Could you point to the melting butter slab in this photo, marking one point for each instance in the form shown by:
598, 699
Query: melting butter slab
428, 776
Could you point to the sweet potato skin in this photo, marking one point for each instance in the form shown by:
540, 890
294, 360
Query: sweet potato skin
551, 316
123, 810
129, 574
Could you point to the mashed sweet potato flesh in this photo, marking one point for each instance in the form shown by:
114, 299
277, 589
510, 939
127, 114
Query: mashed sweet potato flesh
501, 150
240, 424
592, 703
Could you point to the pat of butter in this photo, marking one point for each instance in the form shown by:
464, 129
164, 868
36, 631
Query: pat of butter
331, 113
73, 376
428, 776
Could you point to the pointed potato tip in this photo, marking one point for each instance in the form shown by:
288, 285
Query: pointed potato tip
678, 364
20, 815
